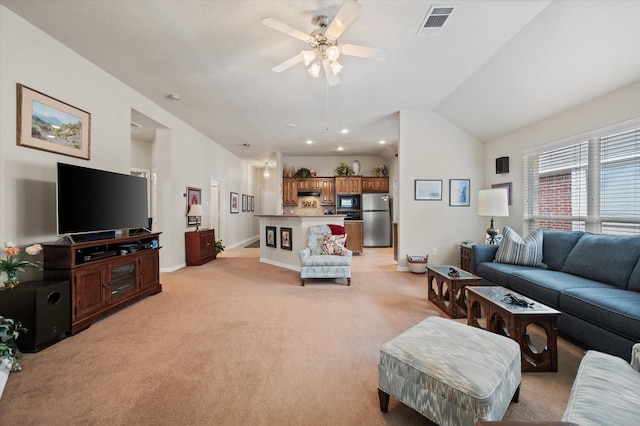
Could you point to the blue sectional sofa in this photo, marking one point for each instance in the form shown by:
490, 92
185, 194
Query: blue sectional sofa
594, 280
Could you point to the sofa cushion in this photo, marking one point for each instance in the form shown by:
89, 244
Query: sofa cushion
556, 247
634, 279
545, 286
499, 273
615, 309
518, 251
606, 258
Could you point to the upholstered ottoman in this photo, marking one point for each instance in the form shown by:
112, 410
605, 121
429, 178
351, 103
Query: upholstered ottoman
449, 372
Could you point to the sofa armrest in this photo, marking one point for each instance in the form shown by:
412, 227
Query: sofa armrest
305, 252
482, 253
635, 357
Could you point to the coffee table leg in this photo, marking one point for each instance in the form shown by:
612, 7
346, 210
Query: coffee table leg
547, 358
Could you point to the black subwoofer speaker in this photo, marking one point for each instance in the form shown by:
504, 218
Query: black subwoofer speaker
43, 308
502, 165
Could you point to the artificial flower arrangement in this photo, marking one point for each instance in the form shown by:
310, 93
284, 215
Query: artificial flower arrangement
15, 262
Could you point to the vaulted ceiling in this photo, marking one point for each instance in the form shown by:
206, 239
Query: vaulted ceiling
494, 67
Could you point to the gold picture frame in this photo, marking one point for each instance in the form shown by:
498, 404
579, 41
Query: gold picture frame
51, 125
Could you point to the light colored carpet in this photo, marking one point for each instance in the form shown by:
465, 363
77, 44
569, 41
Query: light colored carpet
237, 342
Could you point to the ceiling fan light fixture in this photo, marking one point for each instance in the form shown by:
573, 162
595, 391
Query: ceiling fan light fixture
308, 56
314, 69
335, 67
333, 53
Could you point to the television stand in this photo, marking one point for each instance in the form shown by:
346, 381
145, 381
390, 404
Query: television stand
105, 275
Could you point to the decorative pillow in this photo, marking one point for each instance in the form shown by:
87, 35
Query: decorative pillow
334, 244
516, 251
336, 229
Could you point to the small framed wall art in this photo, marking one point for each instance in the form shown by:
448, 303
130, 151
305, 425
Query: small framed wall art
244, 202
285, 239
194, 196
253, 200
51, 125
270, 236
234, 203
428, 189
459, 192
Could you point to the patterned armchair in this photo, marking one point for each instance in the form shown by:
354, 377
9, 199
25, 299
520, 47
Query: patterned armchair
314, 264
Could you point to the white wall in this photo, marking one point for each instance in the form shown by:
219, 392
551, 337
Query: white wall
183, 156
432, 148
615, 107
325, 166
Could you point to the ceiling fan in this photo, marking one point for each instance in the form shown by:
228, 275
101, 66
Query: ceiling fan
323, 43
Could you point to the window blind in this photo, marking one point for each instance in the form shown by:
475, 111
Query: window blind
590, 184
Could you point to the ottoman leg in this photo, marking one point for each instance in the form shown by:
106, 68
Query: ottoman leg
516, 394
384, 400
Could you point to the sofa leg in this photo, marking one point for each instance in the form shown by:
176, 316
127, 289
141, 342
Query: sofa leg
348, 281
384, 400
302, 280
516, 394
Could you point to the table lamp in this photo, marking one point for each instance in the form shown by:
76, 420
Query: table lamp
493, 203
196, 210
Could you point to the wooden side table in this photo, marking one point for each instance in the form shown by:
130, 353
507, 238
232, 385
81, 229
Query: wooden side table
447, 292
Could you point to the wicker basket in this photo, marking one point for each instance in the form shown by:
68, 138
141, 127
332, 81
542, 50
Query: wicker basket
417, 264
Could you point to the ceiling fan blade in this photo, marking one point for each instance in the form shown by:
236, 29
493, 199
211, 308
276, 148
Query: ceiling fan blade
282, 27
332, 79
345, 16
288, 63
363, 51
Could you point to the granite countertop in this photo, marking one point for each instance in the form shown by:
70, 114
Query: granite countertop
298, 215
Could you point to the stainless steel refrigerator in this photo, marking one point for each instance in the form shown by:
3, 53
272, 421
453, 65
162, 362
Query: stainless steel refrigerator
376, 218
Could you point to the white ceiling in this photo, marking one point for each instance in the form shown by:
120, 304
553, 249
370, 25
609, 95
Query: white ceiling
495, 67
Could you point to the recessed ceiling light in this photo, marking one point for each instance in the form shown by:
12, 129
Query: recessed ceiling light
344, 131
173, 96
340, 148
309, 141
382, 141
291, 126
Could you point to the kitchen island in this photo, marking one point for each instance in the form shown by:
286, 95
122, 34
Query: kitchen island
297, 238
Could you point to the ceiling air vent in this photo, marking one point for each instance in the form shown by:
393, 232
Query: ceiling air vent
435, 19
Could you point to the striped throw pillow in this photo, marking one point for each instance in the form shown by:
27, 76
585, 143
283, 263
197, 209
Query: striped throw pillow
518, 251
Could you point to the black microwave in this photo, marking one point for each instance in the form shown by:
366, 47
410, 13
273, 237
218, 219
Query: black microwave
348, 202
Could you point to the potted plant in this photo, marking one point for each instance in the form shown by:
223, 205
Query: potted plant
15, 262
9, 331
302, 172
343, 169
219, 247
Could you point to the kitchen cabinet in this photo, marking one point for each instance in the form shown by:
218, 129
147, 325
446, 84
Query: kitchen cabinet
327, 192
290, 191
348, 184
310, 184
104, 275
200, 246
375, 184
353, 229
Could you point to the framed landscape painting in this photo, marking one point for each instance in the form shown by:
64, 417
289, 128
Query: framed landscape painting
459, 192
428, 189
51, 125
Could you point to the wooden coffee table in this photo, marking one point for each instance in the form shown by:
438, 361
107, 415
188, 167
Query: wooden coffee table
447, 292
512, 320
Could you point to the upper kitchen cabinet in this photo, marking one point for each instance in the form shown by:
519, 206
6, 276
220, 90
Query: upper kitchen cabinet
310, 184
348, 184
327, 192
290, 191
375, 184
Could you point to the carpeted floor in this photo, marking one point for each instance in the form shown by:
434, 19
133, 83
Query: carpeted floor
237, 342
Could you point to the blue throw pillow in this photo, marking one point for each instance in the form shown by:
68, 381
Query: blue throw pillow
518, 251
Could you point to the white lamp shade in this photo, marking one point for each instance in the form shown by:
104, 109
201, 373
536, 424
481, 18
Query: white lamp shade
493, 202
195, 210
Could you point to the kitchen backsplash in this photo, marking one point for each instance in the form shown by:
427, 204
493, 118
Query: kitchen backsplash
308, 206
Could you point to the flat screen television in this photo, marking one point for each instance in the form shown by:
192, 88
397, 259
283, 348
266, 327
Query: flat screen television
91, 200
